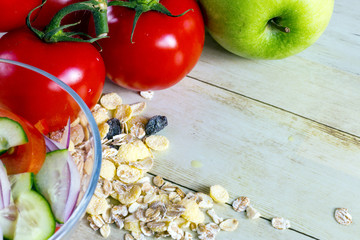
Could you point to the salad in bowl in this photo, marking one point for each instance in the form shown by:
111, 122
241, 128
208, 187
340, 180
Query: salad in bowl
47, 175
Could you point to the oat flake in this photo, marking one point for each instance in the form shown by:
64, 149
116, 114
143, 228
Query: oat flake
343, 216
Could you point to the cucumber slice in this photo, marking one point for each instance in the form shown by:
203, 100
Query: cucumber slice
53, 181
20, 183
8, 218
11, 134
35, 219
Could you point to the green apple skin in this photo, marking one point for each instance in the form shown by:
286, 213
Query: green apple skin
242, 26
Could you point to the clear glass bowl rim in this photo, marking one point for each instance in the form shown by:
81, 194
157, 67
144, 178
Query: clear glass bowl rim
81, 208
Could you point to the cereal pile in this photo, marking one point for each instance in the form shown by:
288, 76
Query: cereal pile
132, 201
144, 206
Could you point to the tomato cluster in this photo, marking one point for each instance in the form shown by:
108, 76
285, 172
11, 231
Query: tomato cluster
152, 52
162, 51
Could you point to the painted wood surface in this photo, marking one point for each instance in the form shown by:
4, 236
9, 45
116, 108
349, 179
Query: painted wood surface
284, 133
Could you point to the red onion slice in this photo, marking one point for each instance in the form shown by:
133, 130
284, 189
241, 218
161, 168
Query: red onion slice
51, 145
74, 188
65, 140
5, 187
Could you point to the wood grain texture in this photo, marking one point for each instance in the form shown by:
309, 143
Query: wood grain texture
321, 83
289, 166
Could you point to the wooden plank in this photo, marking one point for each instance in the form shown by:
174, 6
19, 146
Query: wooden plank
322, 83
287, 165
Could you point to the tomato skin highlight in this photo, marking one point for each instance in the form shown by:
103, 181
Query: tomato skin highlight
28, 157
164, 48
79, 65
13, 13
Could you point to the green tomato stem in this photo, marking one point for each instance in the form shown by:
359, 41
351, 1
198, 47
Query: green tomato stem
54, 31
278, 26
142, 6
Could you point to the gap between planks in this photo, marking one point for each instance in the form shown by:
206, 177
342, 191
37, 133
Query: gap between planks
322, 126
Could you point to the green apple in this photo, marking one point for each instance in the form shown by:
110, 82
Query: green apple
266, 29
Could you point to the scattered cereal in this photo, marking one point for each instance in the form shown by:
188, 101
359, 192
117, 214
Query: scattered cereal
192, 211
128, 174
130, 196
138, 108
216, 219
107, 170
147, 208
252, 213
97, 206
188, 236
147, 94
158, 181
204, 200
219, 194
128, 237
343, 216
123, 112
100, 115
208, 231
132, 151
280, 223
110, 101
103, 129
175, 232
157, 143
229, 225
240, 204
105, 230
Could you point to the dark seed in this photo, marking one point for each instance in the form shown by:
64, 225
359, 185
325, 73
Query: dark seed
156, 124
115, 128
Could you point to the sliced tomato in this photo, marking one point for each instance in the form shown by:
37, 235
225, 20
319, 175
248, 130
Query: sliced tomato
28, 157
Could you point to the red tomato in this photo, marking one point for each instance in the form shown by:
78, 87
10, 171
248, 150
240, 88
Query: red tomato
51, 7
28, 157
164, 48
78, 64
13, 13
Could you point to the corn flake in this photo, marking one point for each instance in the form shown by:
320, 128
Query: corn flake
130, 196
131, 152
100, 115
110, 101
157, 143
128, 174
103, 129
107, 170
138, 108
123, 112
192, 211
219, 194
97, 206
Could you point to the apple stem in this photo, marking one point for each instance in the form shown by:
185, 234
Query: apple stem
278, 26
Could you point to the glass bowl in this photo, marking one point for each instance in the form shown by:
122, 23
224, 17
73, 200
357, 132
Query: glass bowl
93, 157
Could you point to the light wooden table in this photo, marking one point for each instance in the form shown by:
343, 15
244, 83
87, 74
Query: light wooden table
285, 133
